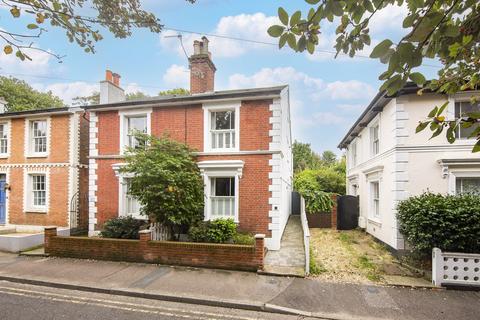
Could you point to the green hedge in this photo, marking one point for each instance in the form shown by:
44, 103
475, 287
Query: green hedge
316, 194
216, 231
448, 222
123, 228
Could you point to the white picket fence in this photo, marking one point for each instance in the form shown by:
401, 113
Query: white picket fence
306, 235
159, 232
453, 268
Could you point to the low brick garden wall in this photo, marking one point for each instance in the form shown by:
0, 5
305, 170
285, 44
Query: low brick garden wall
209, 255
324, 219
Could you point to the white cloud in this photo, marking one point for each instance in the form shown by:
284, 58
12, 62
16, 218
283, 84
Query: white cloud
177, 76
389, 18
247, 26
346, 90
69, 90
277, 76
328, 118
39, 64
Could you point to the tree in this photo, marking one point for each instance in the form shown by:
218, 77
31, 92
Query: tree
329, 157
176, 91
304, 157
166, 181
117, 16
94, 98
20, 96
445, 30
138, 95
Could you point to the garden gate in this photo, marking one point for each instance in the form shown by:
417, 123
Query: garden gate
347, 212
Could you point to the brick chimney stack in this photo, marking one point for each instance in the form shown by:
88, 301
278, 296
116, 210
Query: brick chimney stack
110, 90
202, 69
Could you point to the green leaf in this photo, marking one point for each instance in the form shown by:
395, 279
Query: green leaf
292, 41
32, 26
283, 16
295, 18
310, 47
451, 135
275, 31
302, 44
312, 1
381, 49
437, 132
421, 126
337, 8
442, 108
476, 147
433, 112
283, 40
418, 78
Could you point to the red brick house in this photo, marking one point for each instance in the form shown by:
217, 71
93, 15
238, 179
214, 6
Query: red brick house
242, 138
43, 169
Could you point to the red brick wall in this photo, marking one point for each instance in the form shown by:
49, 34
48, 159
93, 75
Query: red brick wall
108, 133
107, 192
254, 135
224, 256
202, 76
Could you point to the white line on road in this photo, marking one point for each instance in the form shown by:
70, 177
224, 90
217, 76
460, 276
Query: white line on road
134, 307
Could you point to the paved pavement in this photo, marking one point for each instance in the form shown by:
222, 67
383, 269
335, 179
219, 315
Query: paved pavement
27, 302
290, 259
241, 290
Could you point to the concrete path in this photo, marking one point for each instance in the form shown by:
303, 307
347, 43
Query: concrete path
241, 290
290, 259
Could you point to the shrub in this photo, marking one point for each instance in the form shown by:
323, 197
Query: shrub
123, 228
450, 222
316, 200
244, 238
216, 231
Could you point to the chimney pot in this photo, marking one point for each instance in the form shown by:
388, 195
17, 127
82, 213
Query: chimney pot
202, 69
116, 79
108, 76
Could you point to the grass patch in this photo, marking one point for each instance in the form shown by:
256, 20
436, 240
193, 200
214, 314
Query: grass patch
315, 268
369, 267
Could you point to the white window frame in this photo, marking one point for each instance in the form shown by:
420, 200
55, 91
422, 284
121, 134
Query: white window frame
374, 125
29, 207
124, 115
374, 202
459, 173
460, 97
221, 169
207, 124
29, 144
7, 125
122, 197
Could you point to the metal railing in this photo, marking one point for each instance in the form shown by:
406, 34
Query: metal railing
306, 235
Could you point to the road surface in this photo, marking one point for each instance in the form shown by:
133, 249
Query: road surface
28, 302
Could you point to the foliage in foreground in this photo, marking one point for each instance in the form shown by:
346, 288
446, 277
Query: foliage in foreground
123, 228
20, 96
449, 222
447, 31
316, 187
166, 181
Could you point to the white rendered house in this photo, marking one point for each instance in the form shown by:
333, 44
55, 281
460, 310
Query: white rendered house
387, 162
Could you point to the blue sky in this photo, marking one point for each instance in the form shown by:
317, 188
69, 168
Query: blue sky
326, 94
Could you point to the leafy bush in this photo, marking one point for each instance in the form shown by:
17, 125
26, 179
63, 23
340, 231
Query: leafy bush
307, 183
166, 181
450, 222
244, 238
123, 228
216, 231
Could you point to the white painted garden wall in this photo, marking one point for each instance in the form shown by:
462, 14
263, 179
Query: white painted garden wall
453, 268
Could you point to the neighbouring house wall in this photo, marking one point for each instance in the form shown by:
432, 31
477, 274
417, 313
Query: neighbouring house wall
411, 163
61, 167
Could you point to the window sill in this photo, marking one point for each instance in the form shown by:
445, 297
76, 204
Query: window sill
212, 219
375, 221
37, 155
4, 156
33, 210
